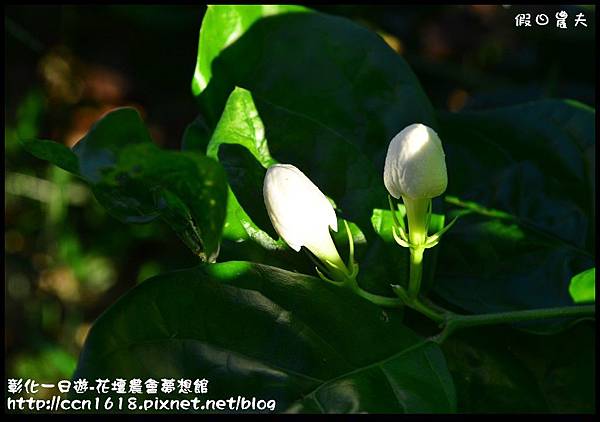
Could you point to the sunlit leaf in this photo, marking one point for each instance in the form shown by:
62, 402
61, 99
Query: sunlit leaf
583, 286
223, 25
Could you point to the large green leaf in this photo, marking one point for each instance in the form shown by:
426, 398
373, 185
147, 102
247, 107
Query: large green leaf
526, 171
502, 370
227, 23
137, 181
326, 69
255, 330
534, 161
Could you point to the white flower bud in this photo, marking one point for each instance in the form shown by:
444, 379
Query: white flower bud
415, 165
299, 211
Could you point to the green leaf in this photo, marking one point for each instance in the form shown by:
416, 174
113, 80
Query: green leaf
137, 182
338, 74
255, 330
502, 370
526, 174
223, 25
241, 125
100, 147
534, 161
56, 153
583, 286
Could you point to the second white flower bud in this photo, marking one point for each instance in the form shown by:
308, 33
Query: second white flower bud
300, 213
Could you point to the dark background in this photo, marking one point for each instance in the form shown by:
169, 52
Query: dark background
66, 260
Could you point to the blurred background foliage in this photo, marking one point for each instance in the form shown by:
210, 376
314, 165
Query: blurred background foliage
66, 260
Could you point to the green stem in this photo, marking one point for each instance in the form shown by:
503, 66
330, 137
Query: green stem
419, 306
454, 322
416, 271
388, 302
417, 213
434, 306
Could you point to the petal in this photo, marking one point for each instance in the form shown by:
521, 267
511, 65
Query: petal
415, 164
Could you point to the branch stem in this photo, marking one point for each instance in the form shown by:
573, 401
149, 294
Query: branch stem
454, 322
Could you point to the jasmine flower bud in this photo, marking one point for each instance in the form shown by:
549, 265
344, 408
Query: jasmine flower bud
415, 165
300, 213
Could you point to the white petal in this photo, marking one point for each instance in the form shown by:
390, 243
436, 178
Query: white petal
415, 165
299, 211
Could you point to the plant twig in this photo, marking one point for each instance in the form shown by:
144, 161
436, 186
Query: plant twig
454, 322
